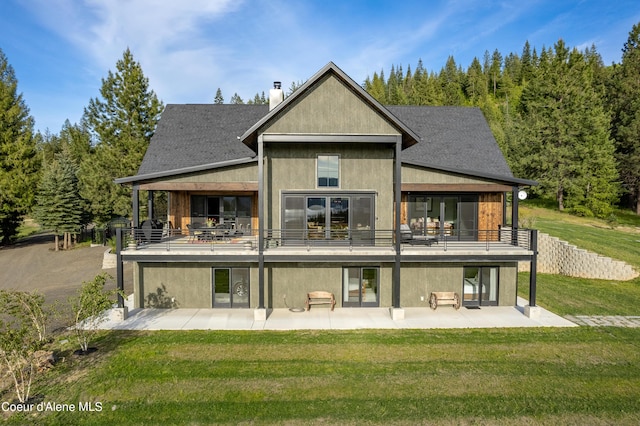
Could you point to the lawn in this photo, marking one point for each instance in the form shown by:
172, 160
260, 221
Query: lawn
583, 375
528, 376
620, 242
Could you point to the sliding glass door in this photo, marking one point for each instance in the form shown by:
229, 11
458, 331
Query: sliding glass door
480, 286
230, 288
360, 286
453, 216
326, 217
214, 210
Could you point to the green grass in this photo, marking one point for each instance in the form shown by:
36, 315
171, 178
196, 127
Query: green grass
550, 376
580, 296
583, 375
621, 242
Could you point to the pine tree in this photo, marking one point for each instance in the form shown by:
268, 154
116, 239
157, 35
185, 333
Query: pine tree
18, 156
451, 83
624, 98
122, 124
218, 100
236, 99
567, 148
58, 205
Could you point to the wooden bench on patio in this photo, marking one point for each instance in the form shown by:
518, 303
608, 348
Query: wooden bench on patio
444, 298
320, 298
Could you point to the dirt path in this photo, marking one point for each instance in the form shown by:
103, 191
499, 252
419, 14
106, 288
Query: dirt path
32, 264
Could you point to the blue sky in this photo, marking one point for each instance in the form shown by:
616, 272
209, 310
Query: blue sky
61, 49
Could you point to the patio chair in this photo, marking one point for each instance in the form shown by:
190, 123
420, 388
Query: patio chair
194, 232
415, 240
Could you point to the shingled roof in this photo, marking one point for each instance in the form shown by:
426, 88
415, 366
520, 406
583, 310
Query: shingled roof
189, 137
195, 135
456, 139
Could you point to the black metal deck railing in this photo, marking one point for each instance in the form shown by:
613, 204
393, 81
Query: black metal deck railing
215, 239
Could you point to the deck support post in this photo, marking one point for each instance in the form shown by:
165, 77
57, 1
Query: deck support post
397, 189
531, 310
260, 313
120, 272
136, 206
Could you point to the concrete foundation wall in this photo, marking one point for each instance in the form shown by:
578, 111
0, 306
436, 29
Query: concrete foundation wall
295, 280
419, 280
189, 285
182, 285
559, 257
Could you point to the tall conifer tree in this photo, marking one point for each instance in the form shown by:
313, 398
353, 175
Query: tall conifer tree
624, 97
59, 206
18, 159
122, 123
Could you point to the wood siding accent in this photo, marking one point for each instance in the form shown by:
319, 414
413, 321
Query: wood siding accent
201, 186
454, 187
404, 208
179, 214
490, 213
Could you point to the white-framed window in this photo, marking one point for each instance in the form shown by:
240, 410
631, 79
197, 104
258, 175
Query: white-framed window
328, 171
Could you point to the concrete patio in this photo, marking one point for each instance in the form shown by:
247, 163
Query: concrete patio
320, 318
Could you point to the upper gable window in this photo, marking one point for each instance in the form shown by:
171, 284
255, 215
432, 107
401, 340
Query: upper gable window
328, 171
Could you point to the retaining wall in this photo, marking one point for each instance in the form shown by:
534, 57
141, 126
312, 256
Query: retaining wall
559, 257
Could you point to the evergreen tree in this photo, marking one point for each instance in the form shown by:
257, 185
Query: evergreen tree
122, 124
451, 83
295, 85
567, 147
236, 99
476, 84
528, 66
624, 98
218, 100
259, 99
59, 207
18, 155
377, 87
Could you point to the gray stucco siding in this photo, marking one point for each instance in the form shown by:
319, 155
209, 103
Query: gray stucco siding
418, 280
363, 167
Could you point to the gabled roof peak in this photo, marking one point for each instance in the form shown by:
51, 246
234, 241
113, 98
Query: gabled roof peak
409, 137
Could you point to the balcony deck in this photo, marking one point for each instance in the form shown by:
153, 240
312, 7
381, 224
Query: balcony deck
158, 243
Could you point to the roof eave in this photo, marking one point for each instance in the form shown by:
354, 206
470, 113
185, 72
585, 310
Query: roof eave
184, 170
511, 180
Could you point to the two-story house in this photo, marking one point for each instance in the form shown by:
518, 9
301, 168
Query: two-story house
325, 190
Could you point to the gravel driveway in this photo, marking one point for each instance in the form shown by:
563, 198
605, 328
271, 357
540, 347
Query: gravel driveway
32, 264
